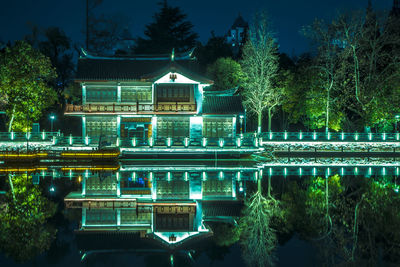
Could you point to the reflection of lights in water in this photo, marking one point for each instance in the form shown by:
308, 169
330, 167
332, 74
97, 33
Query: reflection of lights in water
79, 178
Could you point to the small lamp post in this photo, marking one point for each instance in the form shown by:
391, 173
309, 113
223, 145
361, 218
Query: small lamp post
52, 117
397, 117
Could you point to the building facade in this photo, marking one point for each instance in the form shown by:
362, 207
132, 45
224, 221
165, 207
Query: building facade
152, 96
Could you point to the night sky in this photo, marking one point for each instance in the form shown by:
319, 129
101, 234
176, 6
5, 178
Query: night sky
287, 15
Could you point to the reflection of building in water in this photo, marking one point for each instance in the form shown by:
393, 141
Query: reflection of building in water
162, 207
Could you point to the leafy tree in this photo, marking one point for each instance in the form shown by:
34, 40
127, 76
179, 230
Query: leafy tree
169, 30
23, 230
215, 48
260, 66
56, 46
24, 77
226, 73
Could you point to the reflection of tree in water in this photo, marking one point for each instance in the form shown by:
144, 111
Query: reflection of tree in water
351, 220
257, 235
23, 230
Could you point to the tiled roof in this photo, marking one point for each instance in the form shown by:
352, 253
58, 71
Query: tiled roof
222, 105
128, 69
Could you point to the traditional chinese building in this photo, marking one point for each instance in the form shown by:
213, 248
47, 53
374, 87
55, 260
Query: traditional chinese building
152, 96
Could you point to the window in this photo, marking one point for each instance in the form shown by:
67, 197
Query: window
173, 92
101, 94
217, 127
135, 94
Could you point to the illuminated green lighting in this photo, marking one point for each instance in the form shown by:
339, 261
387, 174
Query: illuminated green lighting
186, 176
285, 135
12, 135
369, 136
314, 171
271, 135
300, 171
238, 142
87, 140
169, 142
204, 142
134, 142
43, 135
285, 171
221, 142
383, 136
356, 136
151, 141
204, 175
186, 142
315, 135
300, 135
117, 143
342, 136
70, 140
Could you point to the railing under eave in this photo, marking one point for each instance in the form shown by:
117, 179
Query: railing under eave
131, 108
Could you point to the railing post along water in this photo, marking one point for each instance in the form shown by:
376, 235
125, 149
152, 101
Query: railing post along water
134, 142
221, 142
151, 141
238, 142
204, 142
186, 142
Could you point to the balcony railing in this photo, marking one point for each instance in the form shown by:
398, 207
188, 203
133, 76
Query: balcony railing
131, 108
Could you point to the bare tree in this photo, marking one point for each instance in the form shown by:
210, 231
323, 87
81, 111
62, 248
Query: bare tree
260, 66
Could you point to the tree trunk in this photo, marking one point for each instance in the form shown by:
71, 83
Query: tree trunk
269, 186
11, 121
259, 122
327, 110
269, 119
11, 187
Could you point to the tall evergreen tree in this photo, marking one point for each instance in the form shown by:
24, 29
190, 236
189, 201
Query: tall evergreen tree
169, 30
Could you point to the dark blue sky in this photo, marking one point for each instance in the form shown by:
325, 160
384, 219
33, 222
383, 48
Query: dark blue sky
287, 15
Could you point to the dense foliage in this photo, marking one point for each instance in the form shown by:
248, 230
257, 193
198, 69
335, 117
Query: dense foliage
24, 233
25, 93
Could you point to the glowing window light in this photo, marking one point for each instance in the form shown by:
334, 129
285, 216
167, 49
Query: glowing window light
369, 136
43, 135
271, 135
285, 135
70, 140
204, 142
221, 142
356, 136
300, 135
315, 135
151, 141
383, 136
